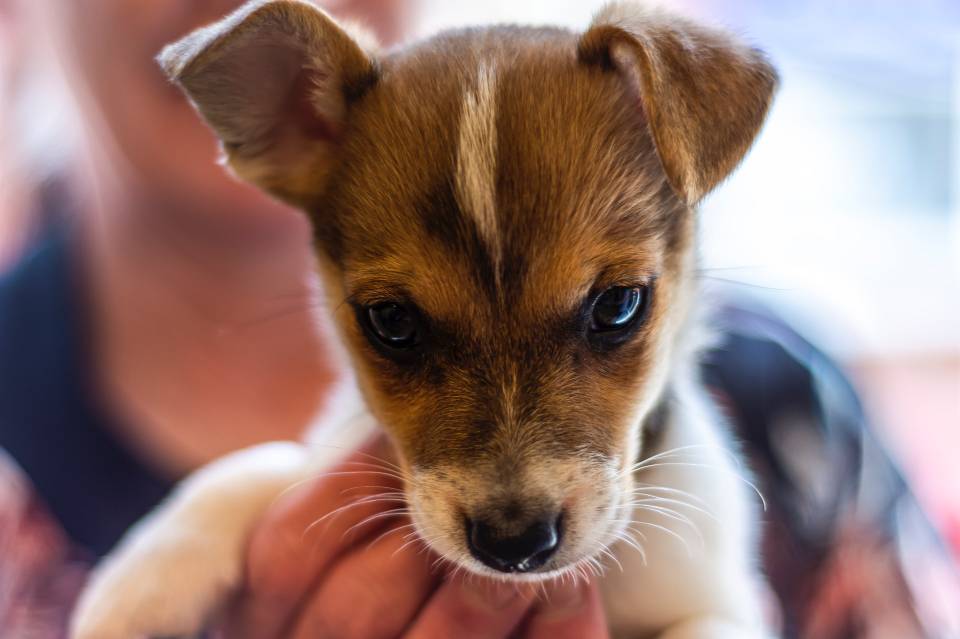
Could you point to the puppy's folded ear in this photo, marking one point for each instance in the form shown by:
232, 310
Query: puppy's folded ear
274, 80
704, 95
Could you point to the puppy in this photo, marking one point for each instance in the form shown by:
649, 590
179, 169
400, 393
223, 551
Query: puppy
505, 228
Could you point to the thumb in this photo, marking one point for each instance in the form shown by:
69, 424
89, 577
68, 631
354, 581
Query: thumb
472, 608
570, 610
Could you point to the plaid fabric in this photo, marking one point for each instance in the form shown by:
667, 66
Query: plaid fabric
40, 572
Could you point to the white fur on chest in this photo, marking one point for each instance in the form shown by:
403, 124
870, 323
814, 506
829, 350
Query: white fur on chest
698, 539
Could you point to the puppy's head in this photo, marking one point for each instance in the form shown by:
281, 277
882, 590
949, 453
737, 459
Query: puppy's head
504, 226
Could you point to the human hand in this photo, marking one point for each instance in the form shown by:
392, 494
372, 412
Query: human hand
356, 572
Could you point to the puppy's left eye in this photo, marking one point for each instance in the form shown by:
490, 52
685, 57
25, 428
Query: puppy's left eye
393, 324
618, 308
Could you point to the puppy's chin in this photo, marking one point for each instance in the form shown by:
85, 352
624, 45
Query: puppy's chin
591, 529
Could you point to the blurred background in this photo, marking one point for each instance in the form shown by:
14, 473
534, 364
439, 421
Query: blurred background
845, 216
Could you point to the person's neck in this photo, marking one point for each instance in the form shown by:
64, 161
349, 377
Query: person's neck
206, 338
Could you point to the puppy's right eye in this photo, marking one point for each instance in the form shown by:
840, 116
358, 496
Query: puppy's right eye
616, 307
616, 313
395, 325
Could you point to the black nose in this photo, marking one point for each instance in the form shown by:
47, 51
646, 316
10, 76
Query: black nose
511, 552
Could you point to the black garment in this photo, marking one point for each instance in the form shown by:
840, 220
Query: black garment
807, 438
50, 423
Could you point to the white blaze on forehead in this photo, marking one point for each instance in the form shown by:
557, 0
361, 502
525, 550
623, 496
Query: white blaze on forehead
477, 159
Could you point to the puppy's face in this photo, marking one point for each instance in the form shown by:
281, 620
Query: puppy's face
504, 227
510, 253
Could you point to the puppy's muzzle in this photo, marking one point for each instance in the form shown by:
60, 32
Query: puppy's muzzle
514, 548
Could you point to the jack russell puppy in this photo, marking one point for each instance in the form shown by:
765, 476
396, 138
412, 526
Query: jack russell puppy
505, 230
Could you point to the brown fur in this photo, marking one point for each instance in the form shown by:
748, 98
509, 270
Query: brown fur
602, 217
506, 408
705, 95
273, 80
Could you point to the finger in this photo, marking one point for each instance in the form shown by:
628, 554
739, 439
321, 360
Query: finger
373, 592
302, 534
572, 610
472, 609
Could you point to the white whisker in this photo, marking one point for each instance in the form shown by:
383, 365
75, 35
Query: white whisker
669, 532
676, 491
606, 553
678, 502
630, 541
746, 481
395, 529
369, 499
672, 514
393, 512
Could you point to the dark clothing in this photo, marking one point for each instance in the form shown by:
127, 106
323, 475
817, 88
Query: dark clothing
845, 546
50, 423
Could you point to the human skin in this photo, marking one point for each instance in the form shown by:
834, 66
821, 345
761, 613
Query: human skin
339, 576
204, 340
203, 331
14, 194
